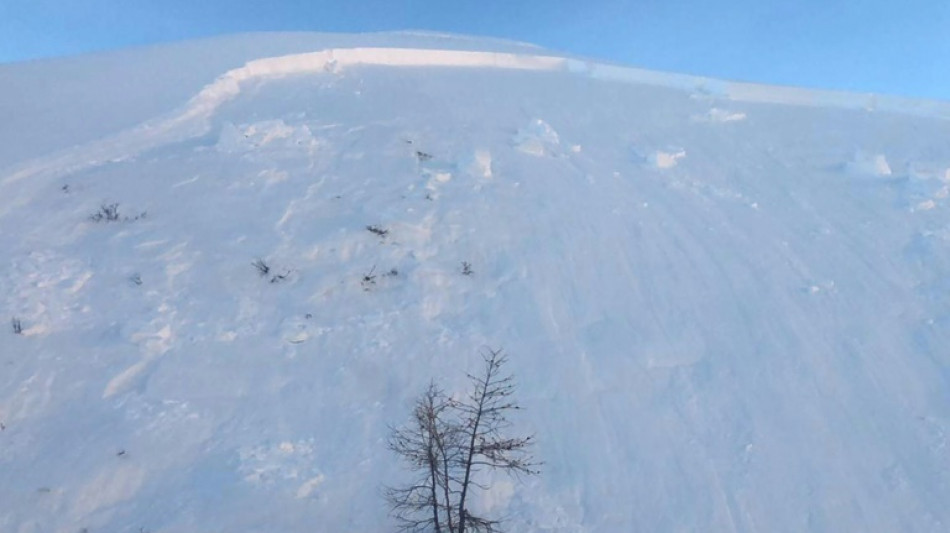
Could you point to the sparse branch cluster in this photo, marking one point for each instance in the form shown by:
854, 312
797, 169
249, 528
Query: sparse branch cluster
110, 213
447, 442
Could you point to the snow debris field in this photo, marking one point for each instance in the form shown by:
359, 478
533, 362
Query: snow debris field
230, 265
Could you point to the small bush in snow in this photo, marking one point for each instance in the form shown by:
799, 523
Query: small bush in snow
106, 213
369, 279
262, 268
17, 326
110, 213
382, 232
467, 268
265, 271
277, 278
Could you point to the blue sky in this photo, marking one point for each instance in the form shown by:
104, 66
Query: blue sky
897, 47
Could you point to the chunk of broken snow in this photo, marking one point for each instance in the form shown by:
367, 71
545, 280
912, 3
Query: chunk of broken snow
295, 330
866, 164
309, 486
720, 115
478, 164
436, 177
667, 158
926, 205
537, 138
236, 139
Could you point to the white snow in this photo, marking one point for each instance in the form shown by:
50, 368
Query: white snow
741, 328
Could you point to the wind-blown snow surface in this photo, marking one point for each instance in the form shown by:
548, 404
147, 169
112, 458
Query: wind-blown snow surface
726, 312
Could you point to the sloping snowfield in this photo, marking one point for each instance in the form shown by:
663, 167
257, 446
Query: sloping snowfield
727, 306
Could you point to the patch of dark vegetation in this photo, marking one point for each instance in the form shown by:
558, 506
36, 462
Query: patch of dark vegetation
369, 279
377, 230
266, 271
279, 278
110, 213
106, 213
262, 267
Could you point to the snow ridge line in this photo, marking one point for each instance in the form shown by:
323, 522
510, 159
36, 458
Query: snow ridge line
228, 85
335, 60
192, 120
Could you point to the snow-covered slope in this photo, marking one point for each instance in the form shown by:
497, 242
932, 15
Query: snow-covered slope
726, 304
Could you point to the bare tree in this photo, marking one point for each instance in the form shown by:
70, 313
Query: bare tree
423, 445
448, 442
484, 421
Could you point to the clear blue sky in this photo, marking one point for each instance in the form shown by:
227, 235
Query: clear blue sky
896, 46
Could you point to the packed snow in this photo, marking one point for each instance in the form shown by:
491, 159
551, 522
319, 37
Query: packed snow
231, 265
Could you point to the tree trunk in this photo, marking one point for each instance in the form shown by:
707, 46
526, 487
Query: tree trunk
470, 452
